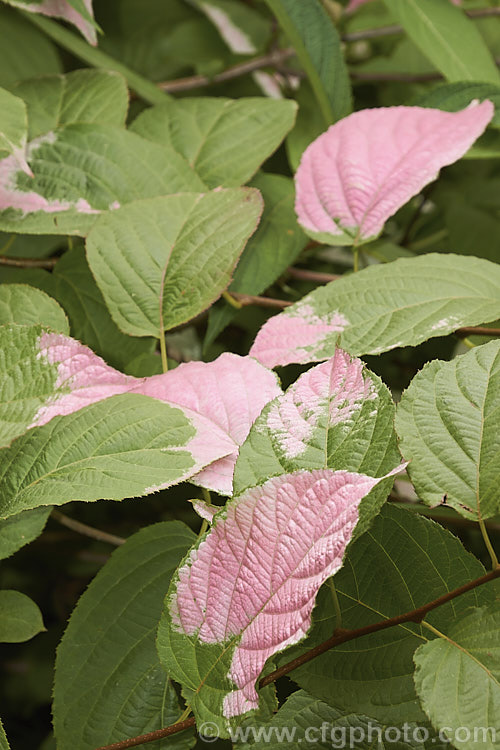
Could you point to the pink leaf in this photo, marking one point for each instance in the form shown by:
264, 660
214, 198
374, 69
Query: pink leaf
223, 397
252, 581
293, 335
358, 173
63, 9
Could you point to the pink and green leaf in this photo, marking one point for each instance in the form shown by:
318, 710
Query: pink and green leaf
359, 172
247, 590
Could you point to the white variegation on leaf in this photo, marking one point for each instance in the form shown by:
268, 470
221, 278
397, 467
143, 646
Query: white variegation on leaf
383, 307
222, 398
365, 167
247, 590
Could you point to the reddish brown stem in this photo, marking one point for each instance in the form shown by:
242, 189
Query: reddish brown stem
28, 262
250, 299
316, 276
341, 635
478, 331
158, 734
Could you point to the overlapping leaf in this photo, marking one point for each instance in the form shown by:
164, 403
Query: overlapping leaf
20, 618
447, 38
247, 590
224, 140
458, 680
241, 27
337, 415
382, 307
402, 562
4, 745
448, 425
125, 446
49, 375
82, 170
74, 287
356, 175
92, 96
318, 47
26, 305
13, 129
161, 262
107, 667
304, 722
274, 246
21, 529
77, 12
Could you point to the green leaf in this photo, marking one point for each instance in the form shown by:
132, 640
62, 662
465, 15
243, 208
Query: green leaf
457, 678
224, 140
447, 422
455, 96
317, 45
125, 446
21, 529
274, 246
303, 722
27, 306
92, 96
91, 323
383, 307
161, 262
26, 52
4, 745
90, 168
242, 28
402, 562
107, 670
26, 381
448, 38
13, 129
95, 57
310, 123
73, 11
20, 618
320, 424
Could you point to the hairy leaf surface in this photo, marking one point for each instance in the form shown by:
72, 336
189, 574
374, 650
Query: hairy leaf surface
126, 446
161, 262
247, 589
458, 680
107, 668
20, 617
402, 562
383, 307
356, 175
448, 425
25, 305
224, 140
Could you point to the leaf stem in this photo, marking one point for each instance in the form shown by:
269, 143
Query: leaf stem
8, 244
336, 604
434, 630
163, 351
232, 300
489, 546
28, 262
90, 531
355, 263
340, 635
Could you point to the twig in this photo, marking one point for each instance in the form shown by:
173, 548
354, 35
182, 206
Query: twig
341, 635
82, 528
158, 734
28, 262
317, 276
395, 29
249, 66
250, 299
